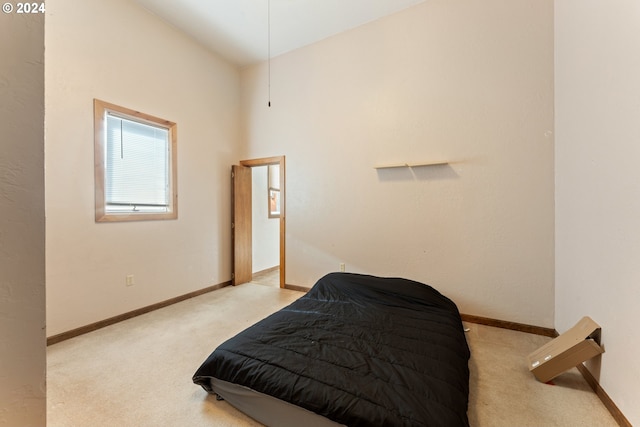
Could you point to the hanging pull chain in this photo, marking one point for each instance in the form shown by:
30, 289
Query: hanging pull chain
269, 50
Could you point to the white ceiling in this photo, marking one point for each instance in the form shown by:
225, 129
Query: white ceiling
238, 30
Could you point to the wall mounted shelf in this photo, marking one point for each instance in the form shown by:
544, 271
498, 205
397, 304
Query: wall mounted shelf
411, 165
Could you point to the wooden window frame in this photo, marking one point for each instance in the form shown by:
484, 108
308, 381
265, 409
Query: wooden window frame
101, 108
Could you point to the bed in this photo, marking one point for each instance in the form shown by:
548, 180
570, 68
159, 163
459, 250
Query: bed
355, 350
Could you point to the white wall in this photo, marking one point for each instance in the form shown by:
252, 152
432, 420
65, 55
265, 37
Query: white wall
458, 80
265, 233
118, 52
22, 221
598, 184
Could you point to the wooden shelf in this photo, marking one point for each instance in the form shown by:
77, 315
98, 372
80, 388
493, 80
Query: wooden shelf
411, 165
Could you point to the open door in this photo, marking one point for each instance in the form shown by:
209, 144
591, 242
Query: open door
241, 225
242, 251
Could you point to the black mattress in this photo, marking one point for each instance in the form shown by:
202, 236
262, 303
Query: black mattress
359, 350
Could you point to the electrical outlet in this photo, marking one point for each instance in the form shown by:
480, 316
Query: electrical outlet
130, 280
342, 266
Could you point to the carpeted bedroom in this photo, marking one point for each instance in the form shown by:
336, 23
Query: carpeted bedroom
487, 149
138, 372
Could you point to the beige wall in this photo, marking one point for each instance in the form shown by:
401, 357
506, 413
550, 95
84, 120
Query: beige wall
22, 221
116, 51
457, 80
598, 184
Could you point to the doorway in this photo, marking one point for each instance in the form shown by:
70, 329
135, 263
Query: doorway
242, 233
265, 228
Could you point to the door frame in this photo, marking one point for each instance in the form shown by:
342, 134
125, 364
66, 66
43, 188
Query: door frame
276, 160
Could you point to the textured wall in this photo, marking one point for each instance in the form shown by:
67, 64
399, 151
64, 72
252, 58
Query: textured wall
22, 221
598, 184
118, 52
464, 81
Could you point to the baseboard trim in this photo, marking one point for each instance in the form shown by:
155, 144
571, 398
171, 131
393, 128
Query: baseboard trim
613, 409
520, 327
113, 320
266, 270
297, 288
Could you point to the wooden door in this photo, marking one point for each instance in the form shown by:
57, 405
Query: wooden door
241, 225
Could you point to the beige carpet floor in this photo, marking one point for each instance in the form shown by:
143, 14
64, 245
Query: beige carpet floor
138, 372
269, 277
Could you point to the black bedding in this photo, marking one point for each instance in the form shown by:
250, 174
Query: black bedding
358, 350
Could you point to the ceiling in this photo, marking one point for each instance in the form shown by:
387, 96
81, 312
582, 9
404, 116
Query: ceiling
246, 31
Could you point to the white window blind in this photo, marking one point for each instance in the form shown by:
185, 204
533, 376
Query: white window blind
137, 166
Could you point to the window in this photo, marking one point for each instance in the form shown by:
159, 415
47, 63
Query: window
135, 165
